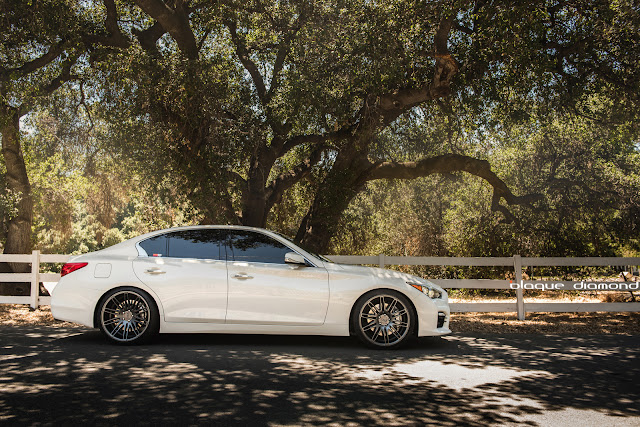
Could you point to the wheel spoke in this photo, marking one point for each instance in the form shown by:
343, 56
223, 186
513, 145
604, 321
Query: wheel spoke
139, 318
376, 332
370, 326
385, 335
395, 333
373, 308
111, 321
117, 328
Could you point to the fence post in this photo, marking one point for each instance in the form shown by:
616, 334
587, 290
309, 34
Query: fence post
381, 260
35, 279
517, 265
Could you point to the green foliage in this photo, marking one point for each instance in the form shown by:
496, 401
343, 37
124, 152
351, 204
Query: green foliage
586, 172
151, 138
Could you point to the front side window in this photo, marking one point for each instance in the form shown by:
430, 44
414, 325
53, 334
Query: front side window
248, 246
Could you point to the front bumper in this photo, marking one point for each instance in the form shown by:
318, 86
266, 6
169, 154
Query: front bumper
429, 311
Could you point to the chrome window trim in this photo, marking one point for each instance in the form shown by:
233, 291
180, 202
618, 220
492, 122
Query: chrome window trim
310, 263
141, 252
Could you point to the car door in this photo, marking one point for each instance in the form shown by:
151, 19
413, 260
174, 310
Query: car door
187, 270
263, 289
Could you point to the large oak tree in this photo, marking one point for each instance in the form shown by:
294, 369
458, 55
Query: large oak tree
241, 101
253, 98
44, 44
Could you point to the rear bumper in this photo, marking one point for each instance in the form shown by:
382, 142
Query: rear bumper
75, 305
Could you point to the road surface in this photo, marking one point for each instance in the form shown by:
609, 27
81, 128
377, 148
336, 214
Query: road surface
66, 376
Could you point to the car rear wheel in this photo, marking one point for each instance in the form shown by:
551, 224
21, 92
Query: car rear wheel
384, 319
128, 316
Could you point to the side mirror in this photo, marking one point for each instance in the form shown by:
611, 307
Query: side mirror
294, 258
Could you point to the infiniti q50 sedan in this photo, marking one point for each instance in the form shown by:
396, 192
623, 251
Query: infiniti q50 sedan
241, 280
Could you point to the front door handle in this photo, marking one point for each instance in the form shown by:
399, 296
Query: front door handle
242, 276
154, 271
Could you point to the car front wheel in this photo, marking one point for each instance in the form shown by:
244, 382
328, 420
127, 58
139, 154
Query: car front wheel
384, 319
128, 316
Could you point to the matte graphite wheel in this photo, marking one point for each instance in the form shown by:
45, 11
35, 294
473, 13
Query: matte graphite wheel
384, 319
128, 316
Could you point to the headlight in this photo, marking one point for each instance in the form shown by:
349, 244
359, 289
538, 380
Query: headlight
426, 289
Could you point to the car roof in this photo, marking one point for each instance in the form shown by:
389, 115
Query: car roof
198, 227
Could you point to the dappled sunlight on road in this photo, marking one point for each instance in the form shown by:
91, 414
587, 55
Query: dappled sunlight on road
71, 375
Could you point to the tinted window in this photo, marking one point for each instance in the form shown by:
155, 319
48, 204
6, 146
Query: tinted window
256, 247
155, 246
202, 244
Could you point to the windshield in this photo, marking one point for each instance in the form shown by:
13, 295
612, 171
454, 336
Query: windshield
289, 239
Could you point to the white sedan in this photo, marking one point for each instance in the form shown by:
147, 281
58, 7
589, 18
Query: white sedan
241, 280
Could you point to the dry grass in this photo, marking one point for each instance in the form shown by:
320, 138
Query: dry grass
536, 323
22, 315
548, 296
548, 323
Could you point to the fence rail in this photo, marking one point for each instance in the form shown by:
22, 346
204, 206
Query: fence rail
516, 262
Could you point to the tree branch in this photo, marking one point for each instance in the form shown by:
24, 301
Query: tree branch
287, 179
448, 163
175, 21
117, 38
293, 142
283, 51
249, 65
458, 26
397, 102
149, 37
50, 87
41, 61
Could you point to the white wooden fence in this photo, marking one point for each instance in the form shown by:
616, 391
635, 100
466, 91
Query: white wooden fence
516, 262
34, 277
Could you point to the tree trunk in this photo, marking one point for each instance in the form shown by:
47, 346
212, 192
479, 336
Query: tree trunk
344, 181
255, 208
19, 226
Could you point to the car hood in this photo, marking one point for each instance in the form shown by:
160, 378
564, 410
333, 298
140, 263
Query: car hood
378, 273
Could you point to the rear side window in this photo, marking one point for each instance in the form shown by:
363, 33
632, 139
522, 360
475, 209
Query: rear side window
200, 244
248, 246
155, 246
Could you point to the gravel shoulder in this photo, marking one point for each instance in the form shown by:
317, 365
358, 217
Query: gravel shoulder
540, 323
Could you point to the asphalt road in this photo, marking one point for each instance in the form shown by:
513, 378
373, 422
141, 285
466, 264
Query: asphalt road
72, 376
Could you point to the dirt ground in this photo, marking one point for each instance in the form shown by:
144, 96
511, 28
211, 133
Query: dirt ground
548, 323
544, 323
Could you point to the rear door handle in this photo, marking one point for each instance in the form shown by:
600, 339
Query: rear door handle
154, 271
242, 276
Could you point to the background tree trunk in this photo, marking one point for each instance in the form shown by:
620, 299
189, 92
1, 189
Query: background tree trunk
342, 184
19, 225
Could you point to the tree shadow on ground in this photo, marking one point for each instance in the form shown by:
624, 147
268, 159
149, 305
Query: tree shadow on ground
70, 376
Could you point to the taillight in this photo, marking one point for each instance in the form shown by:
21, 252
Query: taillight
70, 267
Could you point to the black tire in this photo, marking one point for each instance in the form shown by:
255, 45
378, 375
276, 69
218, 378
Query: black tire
127, 316
384, 319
